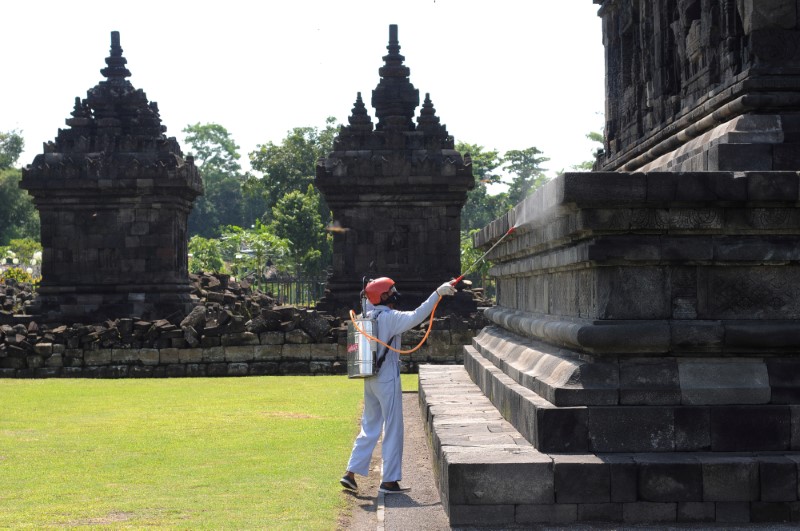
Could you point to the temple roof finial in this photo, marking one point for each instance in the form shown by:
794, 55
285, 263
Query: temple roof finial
427, 121
359, 118
394, 45
395, 98
116, 63
80, 110
427, 115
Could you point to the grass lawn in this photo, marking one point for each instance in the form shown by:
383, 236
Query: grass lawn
238, 453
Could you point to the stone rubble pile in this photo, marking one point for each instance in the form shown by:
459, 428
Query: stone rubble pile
13, 295
229, 319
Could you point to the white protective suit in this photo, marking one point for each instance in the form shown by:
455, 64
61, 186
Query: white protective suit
383, 399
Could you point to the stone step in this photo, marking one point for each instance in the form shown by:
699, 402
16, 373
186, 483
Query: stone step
566, 377
489, 474
633, 428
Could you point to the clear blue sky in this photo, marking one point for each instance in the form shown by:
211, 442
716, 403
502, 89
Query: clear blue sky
506, 74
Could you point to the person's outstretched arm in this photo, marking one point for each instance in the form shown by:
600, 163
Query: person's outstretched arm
400, 322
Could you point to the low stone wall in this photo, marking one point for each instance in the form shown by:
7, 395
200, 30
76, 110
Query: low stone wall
232, 331
243, 354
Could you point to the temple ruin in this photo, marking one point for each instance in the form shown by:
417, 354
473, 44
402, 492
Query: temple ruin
113, 194
395, 190
642, 365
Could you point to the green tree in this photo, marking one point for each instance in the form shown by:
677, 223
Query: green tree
213, 148
589, 164
528, 174
18, 216
205, 255
291, 165
27, 250
481, 206
216, 156
11, 146
252, 252
296, 218
469, 256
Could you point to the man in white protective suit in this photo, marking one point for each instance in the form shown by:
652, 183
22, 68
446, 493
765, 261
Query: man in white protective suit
383, 399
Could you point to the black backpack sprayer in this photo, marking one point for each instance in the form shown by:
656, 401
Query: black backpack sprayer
362, 343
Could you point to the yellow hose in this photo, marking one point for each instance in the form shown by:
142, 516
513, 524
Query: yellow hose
430, 326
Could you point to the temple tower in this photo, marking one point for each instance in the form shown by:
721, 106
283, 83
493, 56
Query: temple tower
395, 189
113, 194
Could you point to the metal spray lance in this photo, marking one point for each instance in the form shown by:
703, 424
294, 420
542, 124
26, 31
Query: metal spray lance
503, 237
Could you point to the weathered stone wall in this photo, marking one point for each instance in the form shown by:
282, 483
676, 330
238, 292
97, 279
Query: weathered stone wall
698, 263
642, 365
233, 331
698, 269
696, 86
243, 354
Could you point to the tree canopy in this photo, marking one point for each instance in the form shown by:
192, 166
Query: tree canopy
11, 146
481, 206
216, 155
18, 217
292, 164
213, 148
524, 175
527, 173
284, 212
296, 218
589, 164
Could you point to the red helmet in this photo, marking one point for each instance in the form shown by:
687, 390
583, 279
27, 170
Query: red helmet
376, 288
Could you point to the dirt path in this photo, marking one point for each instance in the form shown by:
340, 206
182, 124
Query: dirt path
361, 513
420, 508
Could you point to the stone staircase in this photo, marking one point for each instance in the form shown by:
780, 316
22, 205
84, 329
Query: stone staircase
506, 456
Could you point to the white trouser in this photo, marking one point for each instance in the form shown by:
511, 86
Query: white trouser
383, 408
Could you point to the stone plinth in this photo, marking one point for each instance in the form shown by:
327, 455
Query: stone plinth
705, 86
609, 272
645, 348
113, 194
395, 191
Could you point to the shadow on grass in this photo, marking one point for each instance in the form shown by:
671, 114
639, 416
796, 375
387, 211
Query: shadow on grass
362, 497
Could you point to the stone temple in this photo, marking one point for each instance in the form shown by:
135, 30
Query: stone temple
113, 194
395, 190
701, 85
643, 364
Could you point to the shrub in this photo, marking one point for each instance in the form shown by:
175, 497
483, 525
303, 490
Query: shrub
18, 275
